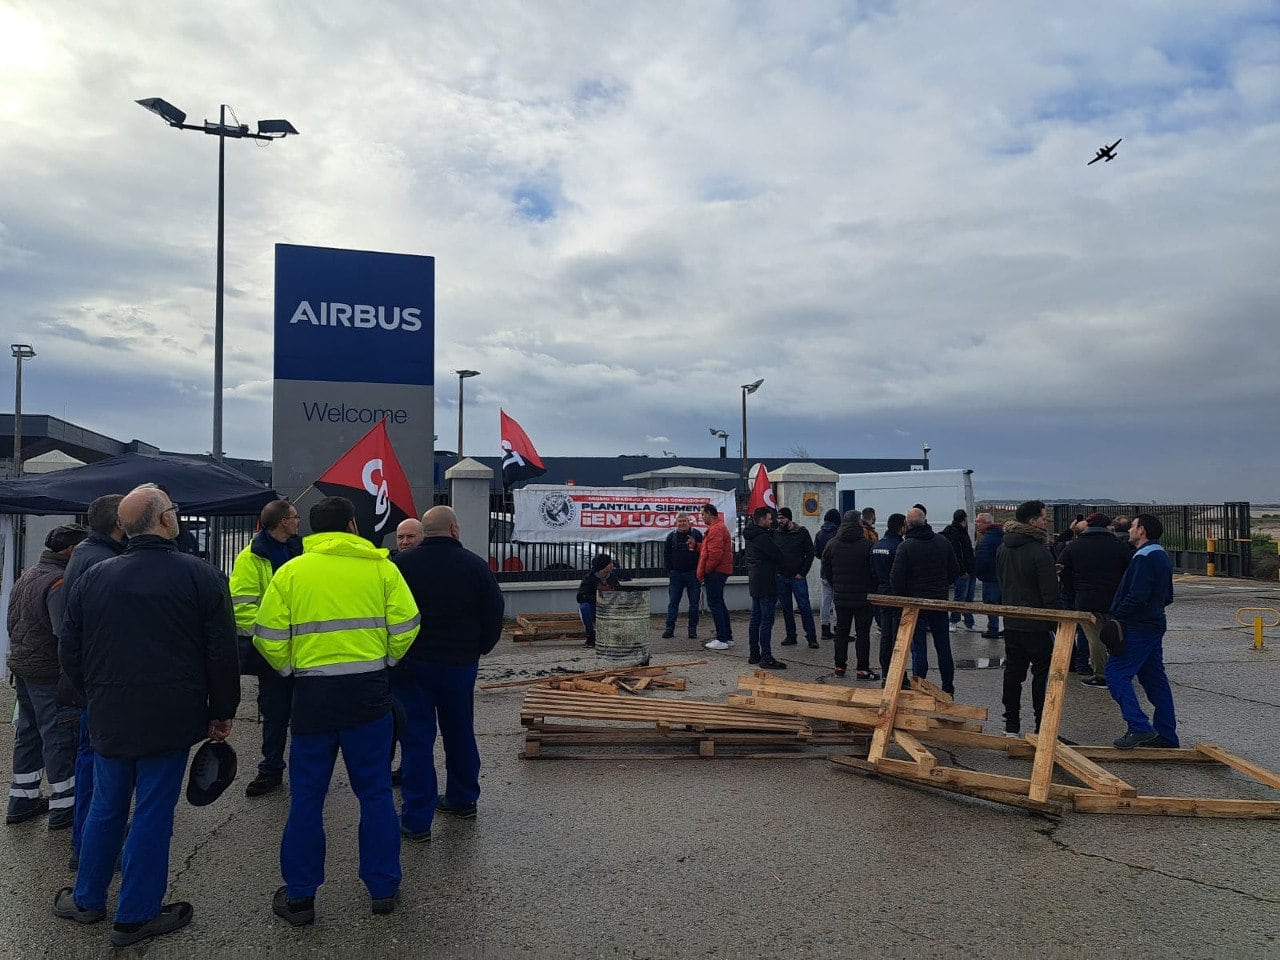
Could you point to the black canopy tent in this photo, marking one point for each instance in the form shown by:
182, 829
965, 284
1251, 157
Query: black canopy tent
199, 485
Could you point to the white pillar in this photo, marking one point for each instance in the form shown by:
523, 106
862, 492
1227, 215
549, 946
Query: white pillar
801, 485
469, 482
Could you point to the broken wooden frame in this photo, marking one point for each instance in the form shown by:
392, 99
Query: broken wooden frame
1102, 791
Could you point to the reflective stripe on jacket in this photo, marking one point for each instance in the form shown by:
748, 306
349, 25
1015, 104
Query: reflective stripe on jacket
250, 575
341, 608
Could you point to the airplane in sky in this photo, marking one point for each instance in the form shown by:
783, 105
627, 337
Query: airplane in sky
1105, 153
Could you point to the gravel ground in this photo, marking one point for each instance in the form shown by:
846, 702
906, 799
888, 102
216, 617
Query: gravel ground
684, 857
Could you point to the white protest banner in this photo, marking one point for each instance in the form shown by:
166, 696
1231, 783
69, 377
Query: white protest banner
547, 513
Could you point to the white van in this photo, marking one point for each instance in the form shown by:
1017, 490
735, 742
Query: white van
941, 491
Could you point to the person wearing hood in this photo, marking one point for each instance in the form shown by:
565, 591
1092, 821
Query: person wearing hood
764, 560
925, 567
990, 536
826, 610
1027, 579
275, 543
603, 575
44, 741
846, 565
883, 553
336, 619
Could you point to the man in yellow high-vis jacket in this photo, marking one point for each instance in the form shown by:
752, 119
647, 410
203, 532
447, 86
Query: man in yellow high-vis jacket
275, 543
335, 619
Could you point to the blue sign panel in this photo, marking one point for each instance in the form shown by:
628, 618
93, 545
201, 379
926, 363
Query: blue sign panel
351, 316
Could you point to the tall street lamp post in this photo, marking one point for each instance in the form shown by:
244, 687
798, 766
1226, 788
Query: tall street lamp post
926, 449
462, 375
20, 351
747, 388
267, 130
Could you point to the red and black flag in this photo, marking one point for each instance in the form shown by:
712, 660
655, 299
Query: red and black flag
520, 461
370, 476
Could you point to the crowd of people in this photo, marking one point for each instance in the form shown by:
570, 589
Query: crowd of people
127, 652
1113, 568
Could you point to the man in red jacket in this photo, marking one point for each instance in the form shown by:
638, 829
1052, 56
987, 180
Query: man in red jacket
715, 563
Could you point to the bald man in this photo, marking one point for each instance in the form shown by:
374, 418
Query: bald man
461, 609
149, 643
408, 535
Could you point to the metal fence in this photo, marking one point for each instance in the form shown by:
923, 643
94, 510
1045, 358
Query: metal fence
1188, 530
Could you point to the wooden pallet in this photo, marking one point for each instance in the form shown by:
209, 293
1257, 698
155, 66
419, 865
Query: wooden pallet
616, 673
715, 729
896, 726
548, 626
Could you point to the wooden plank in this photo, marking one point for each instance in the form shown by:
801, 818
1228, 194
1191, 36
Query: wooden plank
593, 686
887, 714
1051, 717
1172, 755
1240, 764
975, 778
983, 793
1088, 772
923, 758
650, 671
859, 716
860, 696
541, 703
924, 686
996, 609
1179, 806
1014, 746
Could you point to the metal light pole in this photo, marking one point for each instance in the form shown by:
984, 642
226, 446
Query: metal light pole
21, 351
267, 130
927, 448
723, 436
746, 389
462, 375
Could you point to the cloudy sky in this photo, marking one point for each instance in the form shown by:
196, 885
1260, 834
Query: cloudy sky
881, 208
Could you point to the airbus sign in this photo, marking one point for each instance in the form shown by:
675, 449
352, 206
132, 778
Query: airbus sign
363, 316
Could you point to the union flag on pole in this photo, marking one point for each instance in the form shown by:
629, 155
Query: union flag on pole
520, 461
761, 491
370, 476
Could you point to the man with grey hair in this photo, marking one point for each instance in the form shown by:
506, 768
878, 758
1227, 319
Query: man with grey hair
149, 643
925, 566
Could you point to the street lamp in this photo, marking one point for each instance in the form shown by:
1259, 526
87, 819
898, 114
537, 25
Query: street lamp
746, 389
267, 130
927, 448
20, 351
724, 441
462, 375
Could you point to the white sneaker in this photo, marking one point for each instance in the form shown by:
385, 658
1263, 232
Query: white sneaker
716, 645
955, 628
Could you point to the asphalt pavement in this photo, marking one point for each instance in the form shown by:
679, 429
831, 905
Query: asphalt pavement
688, 857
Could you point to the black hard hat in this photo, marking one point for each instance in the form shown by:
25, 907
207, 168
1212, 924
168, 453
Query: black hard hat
212, 770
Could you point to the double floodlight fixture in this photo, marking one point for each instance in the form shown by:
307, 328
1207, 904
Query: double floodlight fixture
22, 351
753, 387
717, 432
267, 129
465, 374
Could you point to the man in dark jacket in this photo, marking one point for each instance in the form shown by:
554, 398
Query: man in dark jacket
1093, 564
925, 566
604, 575
883, 553
957, 534
44, 741
680, 552
461, 607
846, 565
106, 540
764, 560
1145, 590
827, 609
1027, 579
793, 577
990, 536
149, 641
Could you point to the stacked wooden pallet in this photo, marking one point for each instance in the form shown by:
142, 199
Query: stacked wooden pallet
548, 626
662, 721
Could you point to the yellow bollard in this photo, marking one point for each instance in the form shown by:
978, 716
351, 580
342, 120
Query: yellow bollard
1257, 633
1210, 544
